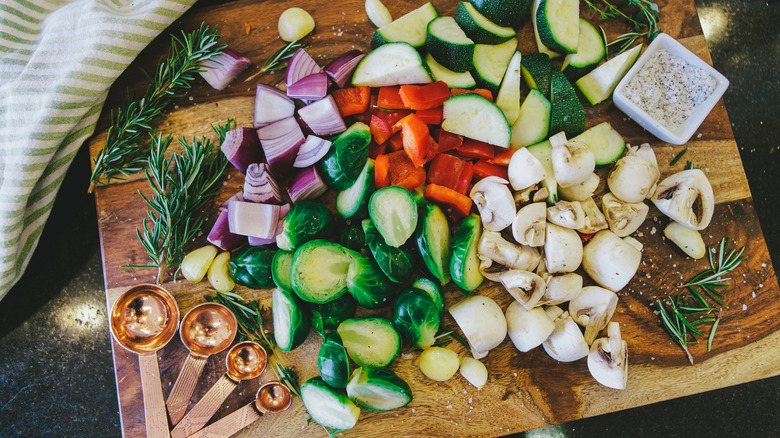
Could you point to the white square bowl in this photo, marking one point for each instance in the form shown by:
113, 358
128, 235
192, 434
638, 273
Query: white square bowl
683, 133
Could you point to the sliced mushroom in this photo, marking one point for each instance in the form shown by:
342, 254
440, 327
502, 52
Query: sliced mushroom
527, 328
493, 247
611, 261
686, 197
524, 196
481, 321
594, 218
623, 217
530, 223
554, 312
541, 194
583, 190
608, 359
495, 202
572, 161
593, 309
526, 287
635, 175
562, 288
566, 214
566, 343
525, 170
562, 249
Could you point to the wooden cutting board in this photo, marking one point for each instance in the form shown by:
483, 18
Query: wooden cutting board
524, 390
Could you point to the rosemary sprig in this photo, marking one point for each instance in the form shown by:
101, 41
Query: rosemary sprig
249, 315
277, 59
642, 15
181, 186
677, 157
126, 148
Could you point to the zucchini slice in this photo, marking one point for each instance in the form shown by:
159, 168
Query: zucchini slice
590, 51
479, 28
327, 406
491, 62
433, 242
449, 45
394, 214
410, 28
510, 13
354, 200
599, 84
556, 21
533, 122
566, 113
539, 45
475, 117
508, 98
606, 143
291, 321
319, 271
378, 390
391, 64
333, 362
280, 269
370, 341
537, 72
543, 152
464, 264
453, 79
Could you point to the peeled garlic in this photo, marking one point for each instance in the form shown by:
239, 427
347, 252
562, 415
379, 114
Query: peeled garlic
378, 13
688, 239
196, 264
474, 371
219, 273
294, 24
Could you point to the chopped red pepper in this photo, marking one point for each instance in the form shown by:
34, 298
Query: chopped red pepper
403, 172
484, 169
396, 142
390, 99
481, 91
585, 237
375, 149
390, 117
476, 149
423, 97
382, 171
352, 100
430, 116
448, 140
464, 181
502, 156
380, 130
459, 202
445, 170
416, 138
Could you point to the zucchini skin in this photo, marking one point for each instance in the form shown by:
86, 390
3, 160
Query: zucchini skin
566, 113
507, 13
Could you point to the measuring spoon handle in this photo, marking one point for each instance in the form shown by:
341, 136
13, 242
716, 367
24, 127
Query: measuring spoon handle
230, 424
154, 403
185, 384
200, 414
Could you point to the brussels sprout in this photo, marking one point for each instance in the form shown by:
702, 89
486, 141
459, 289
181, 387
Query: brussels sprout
416, 317
252, 267
327, 406
333, 362
291, 320
319, 271
464, 261
353, 202
433, 241
346, 158
378, 390
394, 214
368, 285
351, 235
396, 263
280, 269
432, 289
370, 341
328, 316
306, 220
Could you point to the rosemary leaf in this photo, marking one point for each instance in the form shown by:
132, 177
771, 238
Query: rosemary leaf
677, 157
712, 333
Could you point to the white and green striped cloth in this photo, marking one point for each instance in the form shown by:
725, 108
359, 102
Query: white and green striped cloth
58, 59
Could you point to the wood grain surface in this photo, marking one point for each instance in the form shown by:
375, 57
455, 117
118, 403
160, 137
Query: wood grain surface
524, 390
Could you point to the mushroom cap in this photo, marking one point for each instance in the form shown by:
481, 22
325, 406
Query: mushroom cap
572, 161
495, 203
481, 321
687, 198
581, 191
525, 170
594, 220
530, 224
566, 214
608, 359
566, 343
494, 247
593, 308
527, 328
635, 175
526, 287
611, 261
562, 288
623, 217
562, 249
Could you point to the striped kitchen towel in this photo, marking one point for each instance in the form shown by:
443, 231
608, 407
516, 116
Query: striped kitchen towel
58, 59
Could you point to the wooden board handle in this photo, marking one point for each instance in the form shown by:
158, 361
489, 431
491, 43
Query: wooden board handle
182, 390
205, 408
154, 403
230, 424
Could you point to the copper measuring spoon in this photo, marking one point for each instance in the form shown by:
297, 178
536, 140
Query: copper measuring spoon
245, 360
272, 397
206, 329
143, 320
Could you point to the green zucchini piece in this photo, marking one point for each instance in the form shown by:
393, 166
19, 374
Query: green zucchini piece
433, 242
368, 285
346, 158
394, 214
598, 85
328, 316
280, 269
464, 264
449, 45
510, 13
490, 63
396, 263
391, 64
543, 152
306, 220
537, 72
508, 98
606, 143
453, 80
590, 51
556, 22
333, 362
291, 320
533, 122
480, 29
473, 116
378, 390
370, 341
566, 113
354, 200
251, 267
410, 28
416, 317
429, 287
319, 271
539, 45
327, 406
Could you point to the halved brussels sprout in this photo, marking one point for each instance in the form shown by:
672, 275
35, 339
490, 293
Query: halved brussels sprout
378, 390
396, 263
370, 341
319, 271
416, 317
291, 320
433, 242
306, 220
343, 163
333, 362
280, 269
327, 406
252, 267
368, 285
328, 316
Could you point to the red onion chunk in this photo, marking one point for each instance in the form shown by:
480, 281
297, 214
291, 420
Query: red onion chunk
300, 66
311, 151
239, 196
260, 186
220, 235
271, 105
223, 68
281, 141
312, 87
306, 184
258, 241
252, 219
241, 147
323, 117
341, 68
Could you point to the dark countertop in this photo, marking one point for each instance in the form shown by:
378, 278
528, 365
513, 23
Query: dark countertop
56, 369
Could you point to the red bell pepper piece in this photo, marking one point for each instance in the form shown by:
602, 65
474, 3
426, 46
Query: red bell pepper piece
430, 116
481, 91
380, 131
382, 171
390, 117
423, 97
476, 149
375, 149
484, 169
403, 172
416, 138
464, 180
449, 141
444, 195
502, 156
396, 142
352, 100
445, 170
389, 98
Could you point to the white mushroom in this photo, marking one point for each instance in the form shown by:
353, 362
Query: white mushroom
594, 219
481, 321
566, 214
525, 170
583, 190
541, 195
562, 249
554, 312
526, 287
608, 359
495, 203
527, 328
562, 288
611, 261
686, 197
623, 217
529, 225
593, 309
494, 248
572, 161
635, 175
566, 343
